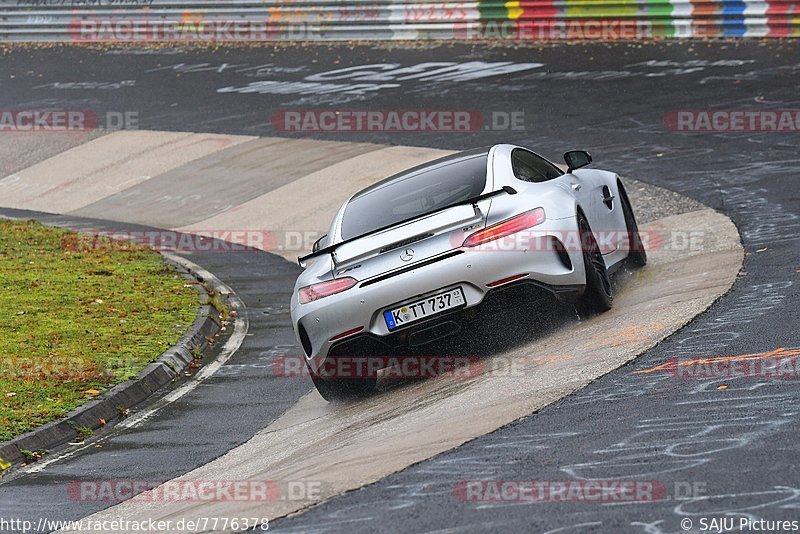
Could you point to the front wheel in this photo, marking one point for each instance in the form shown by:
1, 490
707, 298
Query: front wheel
598, 296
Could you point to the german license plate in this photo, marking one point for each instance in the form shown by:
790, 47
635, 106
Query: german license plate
423, 308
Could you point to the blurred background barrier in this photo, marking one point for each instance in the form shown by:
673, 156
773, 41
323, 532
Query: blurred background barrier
328, 20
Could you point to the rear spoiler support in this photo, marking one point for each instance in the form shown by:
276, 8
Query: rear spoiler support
330, 249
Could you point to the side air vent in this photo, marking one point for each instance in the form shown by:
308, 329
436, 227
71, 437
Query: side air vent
558, 246
304, 339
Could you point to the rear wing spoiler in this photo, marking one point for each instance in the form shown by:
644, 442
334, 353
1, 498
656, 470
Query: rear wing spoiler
508, 190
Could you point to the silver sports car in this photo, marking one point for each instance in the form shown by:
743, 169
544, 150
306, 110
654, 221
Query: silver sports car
404, 258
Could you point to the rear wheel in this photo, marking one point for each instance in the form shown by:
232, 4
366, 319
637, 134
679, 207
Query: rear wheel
598, 296
338, 388
637, 256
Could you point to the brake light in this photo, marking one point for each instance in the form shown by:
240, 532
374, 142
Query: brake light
325, 289
506, 280
348, 333
507, 227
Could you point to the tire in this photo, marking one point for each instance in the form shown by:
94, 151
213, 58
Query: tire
598, 295
637, 255
343, 388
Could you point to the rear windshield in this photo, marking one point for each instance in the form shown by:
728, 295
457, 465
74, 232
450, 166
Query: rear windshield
422, 191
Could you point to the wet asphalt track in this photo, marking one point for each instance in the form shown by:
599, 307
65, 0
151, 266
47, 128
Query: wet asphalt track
738, 442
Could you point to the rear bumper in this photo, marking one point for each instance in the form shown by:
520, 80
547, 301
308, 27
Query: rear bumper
420, 333
360, 309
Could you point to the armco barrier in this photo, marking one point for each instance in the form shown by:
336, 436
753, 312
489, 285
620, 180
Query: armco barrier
256, 20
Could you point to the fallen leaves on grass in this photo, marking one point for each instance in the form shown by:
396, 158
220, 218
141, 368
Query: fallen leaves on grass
65, 343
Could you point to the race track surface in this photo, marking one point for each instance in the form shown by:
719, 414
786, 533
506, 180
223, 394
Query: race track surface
730, 440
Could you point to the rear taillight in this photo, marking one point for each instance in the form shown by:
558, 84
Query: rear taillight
507, 227
325, 289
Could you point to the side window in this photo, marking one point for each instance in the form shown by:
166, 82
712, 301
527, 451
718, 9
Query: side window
529, 167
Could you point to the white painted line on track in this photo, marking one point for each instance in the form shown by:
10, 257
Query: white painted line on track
44, 463
240, 327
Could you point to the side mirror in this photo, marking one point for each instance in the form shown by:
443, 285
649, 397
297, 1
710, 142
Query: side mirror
318, 243
576, 159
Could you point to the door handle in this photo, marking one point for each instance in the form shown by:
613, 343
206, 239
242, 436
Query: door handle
576, 187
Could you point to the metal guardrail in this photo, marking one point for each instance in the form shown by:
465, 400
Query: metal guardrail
256, 20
